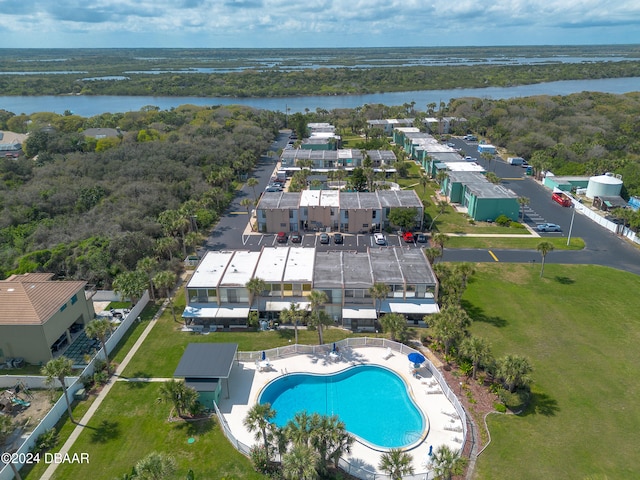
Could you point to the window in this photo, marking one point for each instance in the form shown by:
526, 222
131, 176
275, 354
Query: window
346, 214
290, 213
305, 212
63, 307
348, 294
373, 214
74, 299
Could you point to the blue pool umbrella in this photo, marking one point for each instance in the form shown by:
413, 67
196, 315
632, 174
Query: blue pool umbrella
264, 355
416, 357
334, 347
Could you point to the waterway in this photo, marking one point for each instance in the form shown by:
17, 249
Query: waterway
88, 106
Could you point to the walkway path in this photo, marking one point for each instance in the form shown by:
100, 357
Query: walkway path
48, 474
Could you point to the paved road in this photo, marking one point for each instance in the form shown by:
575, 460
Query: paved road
602, 247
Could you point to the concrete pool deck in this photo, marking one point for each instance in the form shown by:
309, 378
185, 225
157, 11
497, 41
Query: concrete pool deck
445, 427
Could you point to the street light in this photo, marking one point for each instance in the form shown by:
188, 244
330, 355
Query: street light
573, 214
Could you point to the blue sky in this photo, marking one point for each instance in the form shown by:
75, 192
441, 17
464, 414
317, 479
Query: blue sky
315, 23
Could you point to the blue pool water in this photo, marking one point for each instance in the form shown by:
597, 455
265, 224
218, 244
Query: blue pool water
372, 401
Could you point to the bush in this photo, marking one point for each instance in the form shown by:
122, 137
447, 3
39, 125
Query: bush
46, 441
500, 407
503, 221
516, 225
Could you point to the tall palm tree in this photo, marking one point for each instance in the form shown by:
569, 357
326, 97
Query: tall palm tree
294, 315
130, 285
253, 183
424, 181
396, 325
156, 466
99, 329
255, 286
440, 239
432, 253
478, 351
247, 203
544, 248
447, 463
165, 281
330, 439
379, 292
148, 265
396, 463
58, 369
317, 299
298, 429
441, 207
179, 394
258, 420
449, 325
523, 201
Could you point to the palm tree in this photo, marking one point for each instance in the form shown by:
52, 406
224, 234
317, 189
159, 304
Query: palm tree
255, 286
424, 181
166, 280
99, 329
247, 203
396, 463
166, 245
523, 201
447, 463
396, 325
330, 439
544, 248
478, 351
440, 239
441, 207
258, 420
379, 292
294, 315
514, 370
432, 253
462, 272
58, 369
148, 265
155, 466
179, 394
253, 182
130, 285
317, 299
449, 325
300, 463
298, 429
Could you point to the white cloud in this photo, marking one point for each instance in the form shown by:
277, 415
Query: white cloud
276, 23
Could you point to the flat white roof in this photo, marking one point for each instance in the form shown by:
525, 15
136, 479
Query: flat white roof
415, 306
273, 306
310, 198
330, 198
464, 167
210, 270
359, 312
299, 266
241, 268
272, 262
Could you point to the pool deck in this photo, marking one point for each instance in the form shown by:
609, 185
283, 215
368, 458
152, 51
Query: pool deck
444, 425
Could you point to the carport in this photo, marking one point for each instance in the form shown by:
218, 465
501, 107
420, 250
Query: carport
203, 367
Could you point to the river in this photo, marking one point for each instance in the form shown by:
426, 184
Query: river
88, 106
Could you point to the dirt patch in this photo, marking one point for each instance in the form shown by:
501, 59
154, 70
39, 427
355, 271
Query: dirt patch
40, 402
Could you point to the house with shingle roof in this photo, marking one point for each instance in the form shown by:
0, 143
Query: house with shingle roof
38, 316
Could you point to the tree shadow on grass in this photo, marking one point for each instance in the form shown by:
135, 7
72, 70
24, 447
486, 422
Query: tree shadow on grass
107, 430
564, 280
136, 384
477, 314
541, 404
197, 427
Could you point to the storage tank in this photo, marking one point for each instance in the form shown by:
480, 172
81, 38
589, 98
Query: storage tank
604, 186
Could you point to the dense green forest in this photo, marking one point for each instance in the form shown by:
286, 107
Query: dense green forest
91, 209
88, 209
273, 73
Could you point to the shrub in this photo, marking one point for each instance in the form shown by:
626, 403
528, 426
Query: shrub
500, 407
466, 368
516, 225
46, 441
503, 221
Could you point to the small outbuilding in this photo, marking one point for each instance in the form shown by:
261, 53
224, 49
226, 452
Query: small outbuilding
203, 367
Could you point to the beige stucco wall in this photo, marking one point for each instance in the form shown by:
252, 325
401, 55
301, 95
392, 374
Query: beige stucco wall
358, 218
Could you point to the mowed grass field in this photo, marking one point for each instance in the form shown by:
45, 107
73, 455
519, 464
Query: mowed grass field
580, 327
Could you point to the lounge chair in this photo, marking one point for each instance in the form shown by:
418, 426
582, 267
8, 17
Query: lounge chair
388, 354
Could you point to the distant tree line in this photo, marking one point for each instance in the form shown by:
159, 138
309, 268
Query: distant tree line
320, 81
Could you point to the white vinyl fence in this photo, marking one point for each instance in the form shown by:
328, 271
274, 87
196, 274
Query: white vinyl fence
356, 470
60, 407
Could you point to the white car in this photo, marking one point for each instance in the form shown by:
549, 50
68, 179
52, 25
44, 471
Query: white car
379, 238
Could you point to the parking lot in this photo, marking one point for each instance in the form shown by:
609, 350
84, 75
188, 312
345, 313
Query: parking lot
350, 242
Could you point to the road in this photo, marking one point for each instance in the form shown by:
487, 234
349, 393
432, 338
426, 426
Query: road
602, 247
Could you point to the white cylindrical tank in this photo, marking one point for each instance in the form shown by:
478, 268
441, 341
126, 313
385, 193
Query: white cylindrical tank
604, 186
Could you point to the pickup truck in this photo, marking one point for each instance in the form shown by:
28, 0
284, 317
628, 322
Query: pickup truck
561, 198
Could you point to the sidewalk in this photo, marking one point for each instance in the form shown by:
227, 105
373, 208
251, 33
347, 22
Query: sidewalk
48, 474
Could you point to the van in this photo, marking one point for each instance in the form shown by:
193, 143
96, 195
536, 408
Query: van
515, 160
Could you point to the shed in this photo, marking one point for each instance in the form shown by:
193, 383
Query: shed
203, 367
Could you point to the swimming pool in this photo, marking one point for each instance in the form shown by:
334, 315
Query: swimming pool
372, 401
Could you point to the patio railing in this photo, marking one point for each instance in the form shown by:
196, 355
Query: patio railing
289, 350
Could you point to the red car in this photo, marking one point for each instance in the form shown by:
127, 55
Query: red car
408, 237
281, 237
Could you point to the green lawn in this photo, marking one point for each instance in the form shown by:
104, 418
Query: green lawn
130, 424
528, 243
579, 327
